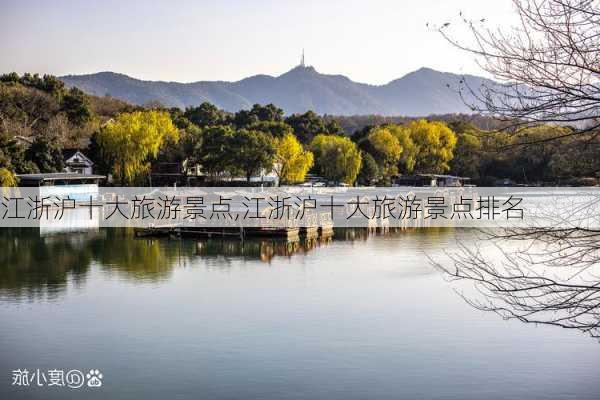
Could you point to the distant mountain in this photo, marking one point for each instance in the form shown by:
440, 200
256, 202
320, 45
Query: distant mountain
419, 93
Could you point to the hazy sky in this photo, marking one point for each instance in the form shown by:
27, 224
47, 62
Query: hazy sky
370, 41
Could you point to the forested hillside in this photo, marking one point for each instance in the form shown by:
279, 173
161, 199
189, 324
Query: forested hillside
419, 93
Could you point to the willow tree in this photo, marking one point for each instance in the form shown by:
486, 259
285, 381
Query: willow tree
408, 158
385, 148
132, 140
434, 143
337, 158
292, 161
7, 178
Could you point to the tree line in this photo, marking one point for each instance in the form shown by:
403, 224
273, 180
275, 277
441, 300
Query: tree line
125, 141
262, 138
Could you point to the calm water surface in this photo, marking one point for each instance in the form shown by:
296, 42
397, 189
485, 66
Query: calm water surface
355, 317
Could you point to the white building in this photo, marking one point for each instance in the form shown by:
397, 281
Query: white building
76, 162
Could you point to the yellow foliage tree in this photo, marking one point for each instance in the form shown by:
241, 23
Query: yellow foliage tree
292, 162
132, 139
7, 178
385, 148
337, 158
435, 143
408, 158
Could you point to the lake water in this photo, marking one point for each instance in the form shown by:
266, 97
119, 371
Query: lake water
355, 317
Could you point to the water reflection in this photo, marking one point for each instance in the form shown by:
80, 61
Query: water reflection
355, 310
120, 252
261, 249
35, 266
39, 266
543, 277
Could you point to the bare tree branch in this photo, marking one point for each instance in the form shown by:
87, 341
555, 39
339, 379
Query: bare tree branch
548, 65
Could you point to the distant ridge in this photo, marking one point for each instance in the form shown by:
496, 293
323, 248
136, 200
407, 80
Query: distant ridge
419, 93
